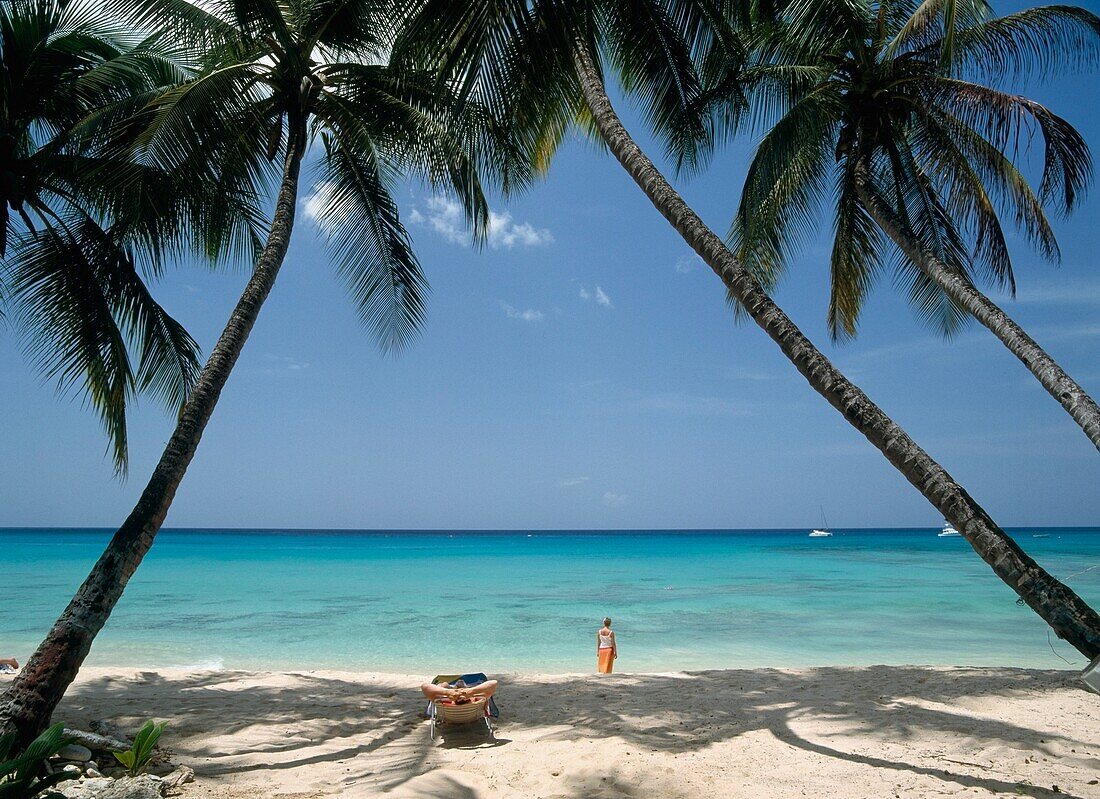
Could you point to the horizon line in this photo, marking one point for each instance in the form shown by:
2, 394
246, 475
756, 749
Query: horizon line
454, 530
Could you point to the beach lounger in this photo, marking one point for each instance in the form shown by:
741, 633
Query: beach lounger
445, 712
471, 680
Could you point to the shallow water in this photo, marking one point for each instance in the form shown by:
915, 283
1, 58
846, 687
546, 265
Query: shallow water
519, 601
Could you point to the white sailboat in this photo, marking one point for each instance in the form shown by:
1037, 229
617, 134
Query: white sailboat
948, 530
823, 531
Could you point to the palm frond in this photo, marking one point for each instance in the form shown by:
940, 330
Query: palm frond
1002, 118
228, 100
360, 221
168, 361
930, 303
70, 330
856, 255
195, 25
347, 29
468, 44
784, 186
968, 201
921, 219
811, 25
984, 137
938, 21
927, 232
654, 62
424, 130
1036, 42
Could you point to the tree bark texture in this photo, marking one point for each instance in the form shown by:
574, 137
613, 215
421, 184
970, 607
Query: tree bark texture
1067, 614
1061, 386
29, 702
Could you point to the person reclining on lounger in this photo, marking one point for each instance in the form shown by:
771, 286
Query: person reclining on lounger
458, 692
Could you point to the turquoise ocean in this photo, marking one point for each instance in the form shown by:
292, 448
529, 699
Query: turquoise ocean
427, 602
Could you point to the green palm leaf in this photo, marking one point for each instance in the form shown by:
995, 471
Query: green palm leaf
784, 186
360, 221
82, 221
856, 255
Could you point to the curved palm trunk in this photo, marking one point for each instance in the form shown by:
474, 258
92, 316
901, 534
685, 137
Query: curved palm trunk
962, 292
1070, 617
30, 700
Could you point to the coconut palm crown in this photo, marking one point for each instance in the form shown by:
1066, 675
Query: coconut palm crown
279, 77
901, 103
78, 232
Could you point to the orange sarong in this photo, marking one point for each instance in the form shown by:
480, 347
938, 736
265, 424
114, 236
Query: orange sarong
605, 661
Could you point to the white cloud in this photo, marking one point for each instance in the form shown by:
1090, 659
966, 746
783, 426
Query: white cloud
315, 203
573, 481
445, 217
529, 315
687, 263
613, 500
597, 295
282, 363
503, 232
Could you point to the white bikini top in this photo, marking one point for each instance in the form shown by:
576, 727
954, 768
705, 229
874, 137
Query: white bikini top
605, 641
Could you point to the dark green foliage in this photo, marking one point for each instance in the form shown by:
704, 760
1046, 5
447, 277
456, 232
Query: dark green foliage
82, 224
517, 57
275, 74
22, 776
903, 99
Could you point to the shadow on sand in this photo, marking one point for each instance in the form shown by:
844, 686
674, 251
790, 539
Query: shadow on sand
378, 734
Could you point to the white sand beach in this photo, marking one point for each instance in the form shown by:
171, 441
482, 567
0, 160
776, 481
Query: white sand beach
827, 732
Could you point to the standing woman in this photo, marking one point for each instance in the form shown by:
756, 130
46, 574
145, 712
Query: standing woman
606, 650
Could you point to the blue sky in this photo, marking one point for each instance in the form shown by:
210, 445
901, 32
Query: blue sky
583, 371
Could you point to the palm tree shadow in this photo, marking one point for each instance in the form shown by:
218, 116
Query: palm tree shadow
232, 723
310, 720
918, 702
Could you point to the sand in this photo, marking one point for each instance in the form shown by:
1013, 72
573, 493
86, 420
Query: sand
826, 732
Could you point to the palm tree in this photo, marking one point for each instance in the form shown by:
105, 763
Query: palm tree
69, 250
276, 77
540, 63
916, 158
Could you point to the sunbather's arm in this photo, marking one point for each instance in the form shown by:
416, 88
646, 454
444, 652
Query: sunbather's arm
486, 689
433, 691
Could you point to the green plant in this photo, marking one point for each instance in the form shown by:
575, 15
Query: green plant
137, 757
21, 776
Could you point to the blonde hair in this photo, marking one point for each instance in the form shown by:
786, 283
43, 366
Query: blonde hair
606, 621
